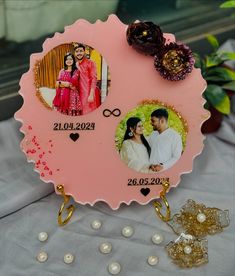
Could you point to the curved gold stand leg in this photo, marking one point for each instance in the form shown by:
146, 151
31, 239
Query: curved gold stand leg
158, 205
70, 209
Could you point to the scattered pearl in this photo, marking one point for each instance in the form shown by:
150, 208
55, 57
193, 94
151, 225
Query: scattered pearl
157, 238
201, 217
187, 249
96, 224
42, 257
153, 260
42, 236
127, 231
105, 247
68, 258
114, 268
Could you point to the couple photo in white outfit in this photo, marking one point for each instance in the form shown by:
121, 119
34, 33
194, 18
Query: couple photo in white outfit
154, 153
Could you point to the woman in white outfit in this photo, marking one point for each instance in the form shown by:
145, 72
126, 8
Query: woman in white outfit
135, 150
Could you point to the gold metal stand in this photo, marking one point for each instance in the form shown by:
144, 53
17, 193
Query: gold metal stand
70, 209
158, 205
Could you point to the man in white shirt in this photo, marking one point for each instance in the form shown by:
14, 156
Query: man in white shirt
165, 142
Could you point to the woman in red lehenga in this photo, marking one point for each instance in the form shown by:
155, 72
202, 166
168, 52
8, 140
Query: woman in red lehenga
67, 99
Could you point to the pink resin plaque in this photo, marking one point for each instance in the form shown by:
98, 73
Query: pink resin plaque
79, 142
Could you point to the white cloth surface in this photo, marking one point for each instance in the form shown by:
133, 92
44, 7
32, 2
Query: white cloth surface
212, 182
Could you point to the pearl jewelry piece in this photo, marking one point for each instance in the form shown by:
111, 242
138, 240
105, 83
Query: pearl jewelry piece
127, 231
187, 249
105, 247
157, 238
114, 268
42, 236
201, 217
68, 258
42, 257
96, 224
153, 260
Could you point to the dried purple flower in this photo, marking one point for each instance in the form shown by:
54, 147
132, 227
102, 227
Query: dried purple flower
145, 37
174, 61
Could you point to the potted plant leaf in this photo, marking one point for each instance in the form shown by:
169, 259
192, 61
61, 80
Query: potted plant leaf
220, 83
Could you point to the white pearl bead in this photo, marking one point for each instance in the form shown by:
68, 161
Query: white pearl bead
127, 231
157, 238
42, 257
68, 258
201, 217
114, 268
96, 224
187, 249
43, 236
106, 247
153, 260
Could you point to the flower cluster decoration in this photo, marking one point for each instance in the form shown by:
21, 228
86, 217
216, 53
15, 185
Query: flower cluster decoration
198, 220
174, 61
188, 251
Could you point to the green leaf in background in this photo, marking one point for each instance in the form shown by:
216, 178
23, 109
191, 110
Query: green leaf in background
213, 41
206, 105
214, 94
213, 60
200, 63
228, 4
226, 56
197, 58
224, 105
229, 86
220, 74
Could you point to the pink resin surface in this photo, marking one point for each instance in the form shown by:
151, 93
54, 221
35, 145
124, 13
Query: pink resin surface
90, 168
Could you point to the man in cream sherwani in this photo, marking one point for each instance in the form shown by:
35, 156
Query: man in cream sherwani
165, 142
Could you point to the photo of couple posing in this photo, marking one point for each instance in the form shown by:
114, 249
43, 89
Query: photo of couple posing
154, 153
73, 88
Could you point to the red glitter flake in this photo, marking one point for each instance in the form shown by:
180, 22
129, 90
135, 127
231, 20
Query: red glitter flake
44, 163
51, 145
30, 128
39, 148
40, 155
42, 174
46, 168
58, 170
49, 151
50, 172
50, 141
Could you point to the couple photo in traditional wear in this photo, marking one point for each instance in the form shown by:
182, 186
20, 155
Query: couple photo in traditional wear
72, 79
154, 153
76, 90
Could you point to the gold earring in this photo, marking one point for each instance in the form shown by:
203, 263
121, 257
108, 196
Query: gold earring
198, 220
188, 251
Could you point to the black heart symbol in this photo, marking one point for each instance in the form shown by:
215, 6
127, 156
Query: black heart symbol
74, 136
145, 191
